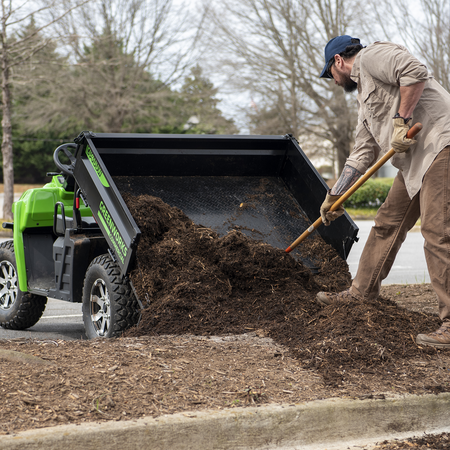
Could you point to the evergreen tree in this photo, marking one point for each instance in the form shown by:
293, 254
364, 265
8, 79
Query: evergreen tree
106, 90
200, 106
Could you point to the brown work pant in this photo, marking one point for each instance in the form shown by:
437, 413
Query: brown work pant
395, 218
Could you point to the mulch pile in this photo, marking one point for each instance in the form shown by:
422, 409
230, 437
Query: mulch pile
193, 281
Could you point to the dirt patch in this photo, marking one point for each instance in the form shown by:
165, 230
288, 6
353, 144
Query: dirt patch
228, 321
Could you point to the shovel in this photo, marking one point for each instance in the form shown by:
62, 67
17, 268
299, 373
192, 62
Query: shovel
411, 133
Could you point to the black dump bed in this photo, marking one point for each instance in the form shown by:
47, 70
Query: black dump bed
263, 185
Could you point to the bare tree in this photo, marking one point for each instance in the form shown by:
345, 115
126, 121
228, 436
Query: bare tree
124, 58
274, 49
163, 37
15, 51
424, 29
433, 41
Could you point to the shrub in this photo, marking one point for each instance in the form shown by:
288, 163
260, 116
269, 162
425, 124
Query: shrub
370, 195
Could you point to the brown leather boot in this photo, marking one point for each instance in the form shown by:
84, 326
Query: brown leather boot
328, 298
439, 338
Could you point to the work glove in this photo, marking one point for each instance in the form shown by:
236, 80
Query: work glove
327, 215
399, 142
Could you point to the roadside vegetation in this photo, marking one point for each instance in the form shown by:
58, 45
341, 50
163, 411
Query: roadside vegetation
364, 203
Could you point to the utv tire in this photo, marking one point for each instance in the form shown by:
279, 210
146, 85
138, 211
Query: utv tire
18, 310
109, 305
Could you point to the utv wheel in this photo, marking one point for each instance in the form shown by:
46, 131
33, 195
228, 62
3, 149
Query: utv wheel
18, 310
109, 305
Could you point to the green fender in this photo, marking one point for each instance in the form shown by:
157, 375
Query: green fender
19, 250
35, 209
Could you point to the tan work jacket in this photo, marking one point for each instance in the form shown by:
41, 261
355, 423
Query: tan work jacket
380, 69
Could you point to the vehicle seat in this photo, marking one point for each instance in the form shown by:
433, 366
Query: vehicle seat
86, 222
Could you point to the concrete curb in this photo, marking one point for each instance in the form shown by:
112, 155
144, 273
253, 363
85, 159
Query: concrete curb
330, 424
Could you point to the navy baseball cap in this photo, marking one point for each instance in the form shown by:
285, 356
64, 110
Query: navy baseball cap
334, 47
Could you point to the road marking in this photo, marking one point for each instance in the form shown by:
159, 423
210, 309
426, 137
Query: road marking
61, 317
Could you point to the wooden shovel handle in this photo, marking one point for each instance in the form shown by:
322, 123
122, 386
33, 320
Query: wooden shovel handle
411, 133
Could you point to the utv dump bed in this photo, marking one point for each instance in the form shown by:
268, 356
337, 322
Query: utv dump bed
264, 186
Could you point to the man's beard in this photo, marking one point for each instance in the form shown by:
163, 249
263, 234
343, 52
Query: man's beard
349, 85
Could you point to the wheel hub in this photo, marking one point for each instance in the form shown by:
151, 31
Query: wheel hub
8, 285
100, 308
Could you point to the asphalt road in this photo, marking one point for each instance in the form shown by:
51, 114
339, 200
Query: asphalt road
63, 320
409, 267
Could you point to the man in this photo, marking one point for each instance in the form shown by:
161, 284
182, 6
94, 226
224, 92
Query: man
395, 91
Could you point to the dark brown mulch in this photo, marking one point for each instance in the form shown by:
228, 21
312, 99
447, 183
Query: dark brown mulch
194, 281
427, 442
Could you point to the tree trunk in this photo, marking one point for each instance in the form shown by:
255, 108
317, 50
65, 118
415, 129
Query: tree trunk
7, 146
343, 129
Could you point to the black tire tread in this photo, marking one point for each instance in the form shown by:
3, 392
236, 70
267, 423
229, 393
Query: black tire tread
31, 309
8, 245
31, 306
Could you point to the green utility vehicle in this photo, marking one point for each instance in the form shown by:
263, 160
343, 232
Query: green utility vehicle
75, 240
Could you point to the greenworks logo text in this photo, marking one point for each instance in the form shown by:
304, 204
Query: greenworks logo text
96, 167
113, 233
